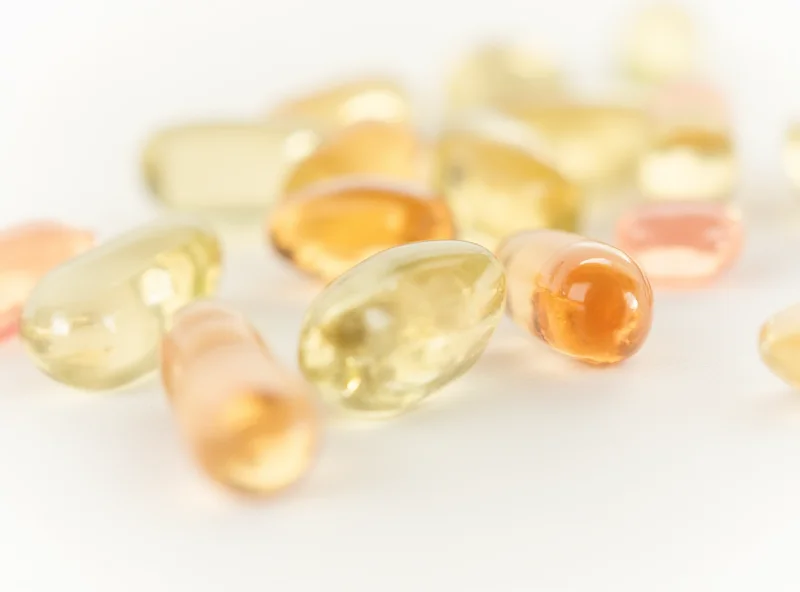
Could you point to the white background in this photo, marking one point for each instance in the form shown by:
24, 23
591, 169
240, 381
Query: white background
679, 470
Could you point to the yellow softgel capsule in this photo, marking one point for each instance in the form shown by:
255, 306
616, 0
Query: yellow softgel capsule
349, 102
388, 150
494, 73
95, 322
779, 345
225, 167
401, 325
791, 155
592, 145
497, 180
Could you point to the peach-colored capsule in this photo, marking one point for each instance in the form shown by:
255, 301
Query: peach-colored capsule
682, 243
251, 425
27, 252
690, 102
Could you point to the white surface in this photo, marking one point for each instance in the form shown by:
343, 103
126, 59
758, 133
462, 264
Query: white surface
677, 471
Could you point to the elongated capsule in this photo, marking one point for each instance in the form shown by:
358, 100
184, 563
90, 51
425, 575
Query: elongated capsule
584, 298
377, 148
95, 322
225, 167
27, 252
349, 102
331, 226
250, 424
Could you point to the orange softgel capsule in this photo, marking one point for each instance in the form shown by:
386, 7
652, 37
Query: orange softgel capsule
682, 244
27, 252
251, 425
331, 226
584, 298
378, 148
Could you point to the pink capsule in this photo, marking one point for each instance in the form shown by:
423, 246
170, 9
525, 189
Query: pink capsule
682, 244
27, 252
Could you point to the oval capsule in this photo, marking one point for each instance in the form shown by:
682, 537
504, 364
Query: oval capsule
95, 322
401, 325
584, 298
27, 252
250, 424
225, 167
332, 226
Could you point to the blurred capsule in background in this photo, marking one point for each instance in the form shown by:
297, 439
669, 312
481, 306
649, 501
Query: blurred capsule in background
401, 325
583, 298
389, 150
27, 252
349, 102
682, 244
596, 146
779, 344
329, 227
227, 168
95, 322
250, 424
494, 173
791, 155
660, 44
495, 73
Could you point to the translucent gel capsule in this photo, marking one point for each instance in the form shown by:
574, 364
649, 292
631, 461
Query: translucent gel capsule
584, 298
225, 166
95, 322
349, 102
330, 227
401, 325
791, 155
375, 148
497, 182
779, 345
593, 145
251, 425
682, 244
493, 74
27, 252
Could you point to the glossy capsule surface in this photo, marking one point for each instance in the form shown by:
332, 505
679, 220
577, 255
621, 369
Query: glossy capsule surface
349, 102
401, 325
497, 181
251, 425
96, 321
584, 298
378, 148
226, 167
27, 252
779, 345
330, 227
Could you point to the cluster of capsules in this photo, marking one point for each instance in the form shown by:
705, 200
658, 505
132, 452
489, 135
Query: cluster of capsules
421, 244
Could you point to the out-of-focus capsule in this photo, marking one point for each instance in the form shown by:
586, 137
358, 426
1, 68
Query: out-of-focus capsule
225, 167
779, 344
251, 425
95, 322
401, 325
584, 298
494, 74
497, 180
331, 226
682, 244
791, 155
27, 252
349, 102
660, 44
377, 148
593, 145
689, 103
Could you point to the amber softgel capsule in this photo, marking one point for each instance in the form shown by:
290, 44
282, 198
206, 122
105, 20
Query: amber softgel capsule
496, 177
584, 298
251, 425
331, 226
401, 325
95, 322
27, 252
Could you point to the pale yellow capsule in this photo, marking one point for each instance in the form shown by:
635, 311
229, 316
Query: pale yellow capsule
349, 102
779, 345
401, 325
791, 155
95, 322
225, 167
